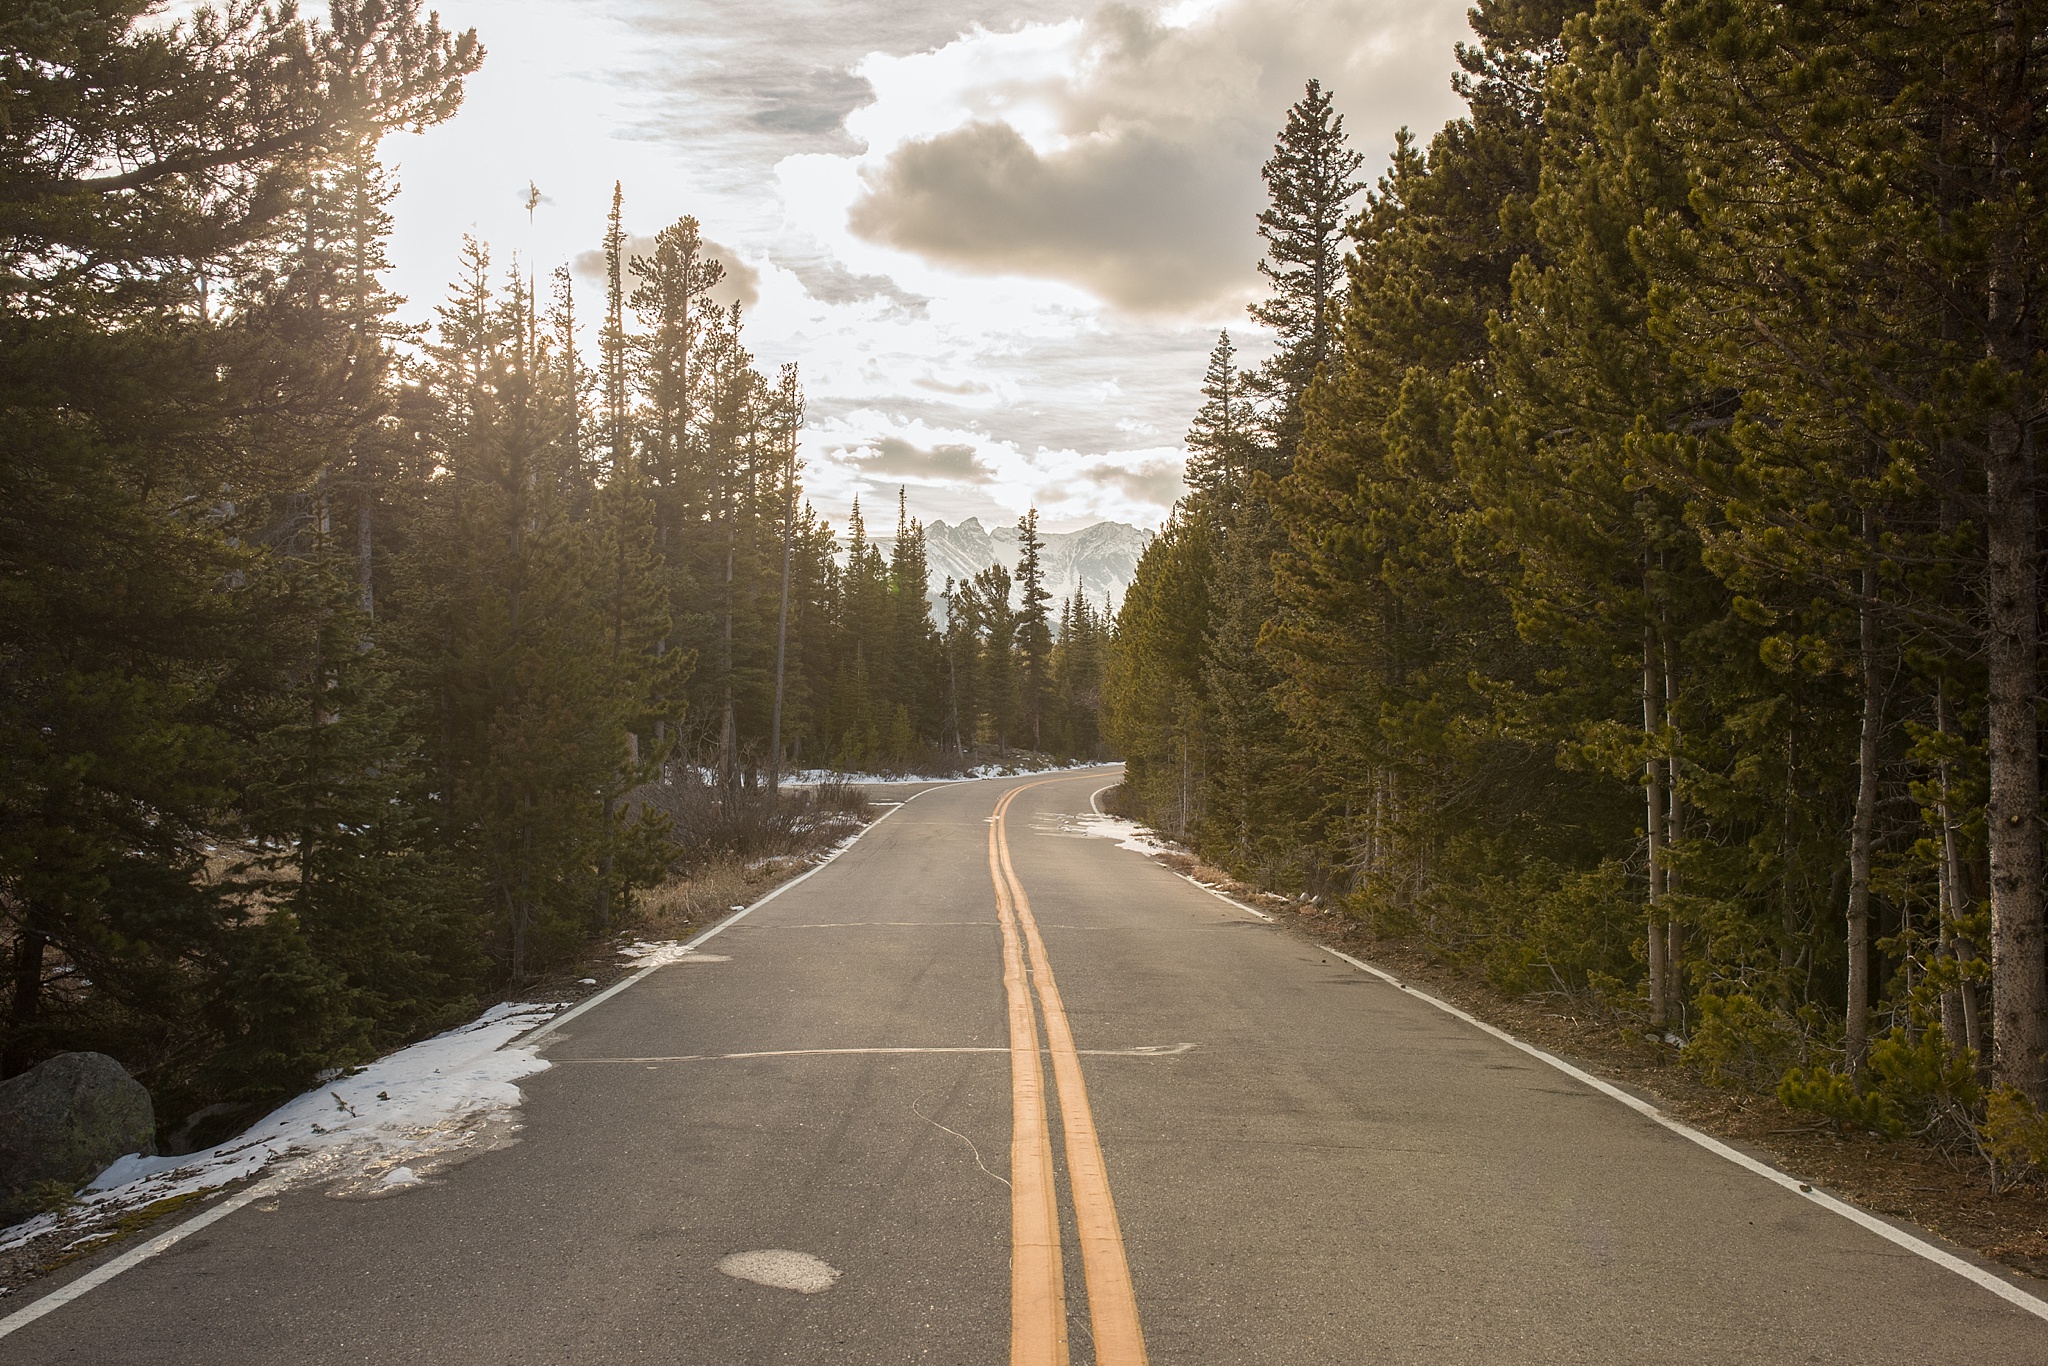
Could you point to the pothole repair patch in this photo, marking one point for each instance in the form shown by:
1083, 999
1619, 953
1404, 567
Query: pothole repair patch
781, 1269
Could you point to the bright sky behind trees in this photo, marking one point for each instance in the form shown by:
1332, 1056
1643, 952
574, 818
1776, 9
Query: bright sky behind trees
998, 235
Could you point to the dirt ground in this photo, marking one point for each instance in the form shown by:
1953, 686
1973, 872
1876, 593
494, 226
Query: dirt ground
1945, 1193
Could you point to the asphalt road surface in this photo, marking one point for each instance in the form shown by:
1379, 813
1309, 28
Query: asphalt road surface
1034, 1099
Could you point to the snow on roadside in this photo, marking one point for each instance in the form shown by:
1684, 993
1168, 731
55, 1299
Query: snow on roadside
381, 1126
442, 1098
1127, 834
812, 777
656, 954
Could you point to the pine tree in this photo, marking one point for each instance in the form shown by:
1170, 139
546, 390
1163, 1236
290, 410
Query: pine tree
1154, 709
998, 687
1078, 664
1222, 441
1310, 178
962, 680
914, 643
339, 674
667, 301
613, 343
178, 170
1034, 629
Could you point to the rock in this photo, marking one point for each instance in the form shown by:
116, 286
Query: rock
63, 1122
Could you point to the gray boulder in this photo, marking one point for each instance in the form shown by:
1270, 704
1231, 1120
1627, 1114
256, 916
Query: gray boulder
62, 1122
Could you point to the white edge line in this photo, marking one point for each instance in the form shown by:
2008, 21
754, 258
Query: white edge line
99, 1276
1223, 896
1184, 877
542, 1031
1156, 1051
1918, 1246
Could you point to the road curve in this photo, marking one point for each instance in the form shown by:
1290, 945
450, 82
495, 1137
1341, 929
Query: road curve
1249, 1152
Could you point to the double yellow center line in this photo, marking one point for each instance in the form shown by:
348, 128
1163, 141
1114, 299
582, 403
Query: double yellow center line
1038, 1313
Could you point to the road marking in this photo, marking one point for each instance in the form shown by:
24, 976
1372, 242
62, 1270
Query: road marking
1096, 807
91, 1280
1918, 1246
890, 924
721, 927
56, 1299
1143, 1050
1038, 1299
1112, 1302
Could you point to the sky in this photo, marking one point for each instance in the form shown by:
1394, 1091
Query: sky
997, 236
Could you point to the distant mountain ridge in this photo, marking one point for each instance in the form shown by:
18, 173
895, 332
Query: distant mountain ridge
1101, 559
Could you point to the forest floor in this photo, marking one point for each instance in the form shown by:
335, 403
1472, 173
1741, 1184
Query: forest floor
1944, 1192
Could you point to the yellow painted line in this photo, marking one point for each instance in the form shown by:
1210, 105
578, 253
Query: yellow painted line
1112, 1301
1038, 1296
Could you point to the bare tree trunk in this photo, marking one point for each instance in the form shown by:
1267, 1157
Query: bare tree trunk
1856, 1032
2019, 971
29, 945
1788, 907
1959, 1017
604, 867
2019, 994
1947, 950
518, 904
953, 701
366, 509
1653, 821
728, 739
792, 418
1674, 835
781, 648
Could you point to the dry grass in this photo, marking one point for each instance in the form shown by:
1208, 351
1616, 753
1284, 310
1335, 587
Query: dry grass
731, 853
686, 904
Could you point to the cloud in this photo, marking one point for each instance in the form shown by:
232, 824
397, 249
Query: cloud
809, 102
829, 282
1130, 218
741, 285
1153, 483
771, 123
892, 457
1121, 153
750, 83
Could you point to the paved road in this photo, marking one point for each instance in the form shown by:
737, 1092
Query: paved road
1332, 1171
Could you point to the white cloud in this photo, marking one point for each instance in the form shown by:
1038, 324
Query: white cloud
1120, 152
1062, 343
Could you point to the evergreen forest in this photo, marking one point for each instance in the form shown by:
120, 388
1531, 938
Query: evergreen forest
344, 663
1624, 576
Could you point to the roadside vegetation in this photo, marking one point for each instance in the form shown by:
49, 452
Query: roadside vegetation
355, 674
1623, 583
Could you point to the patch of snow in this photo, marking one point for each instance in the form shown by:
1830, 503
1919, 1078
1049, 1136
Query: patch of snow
811, 777
781, 1269
1127, 834
659, 953
435, 1099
